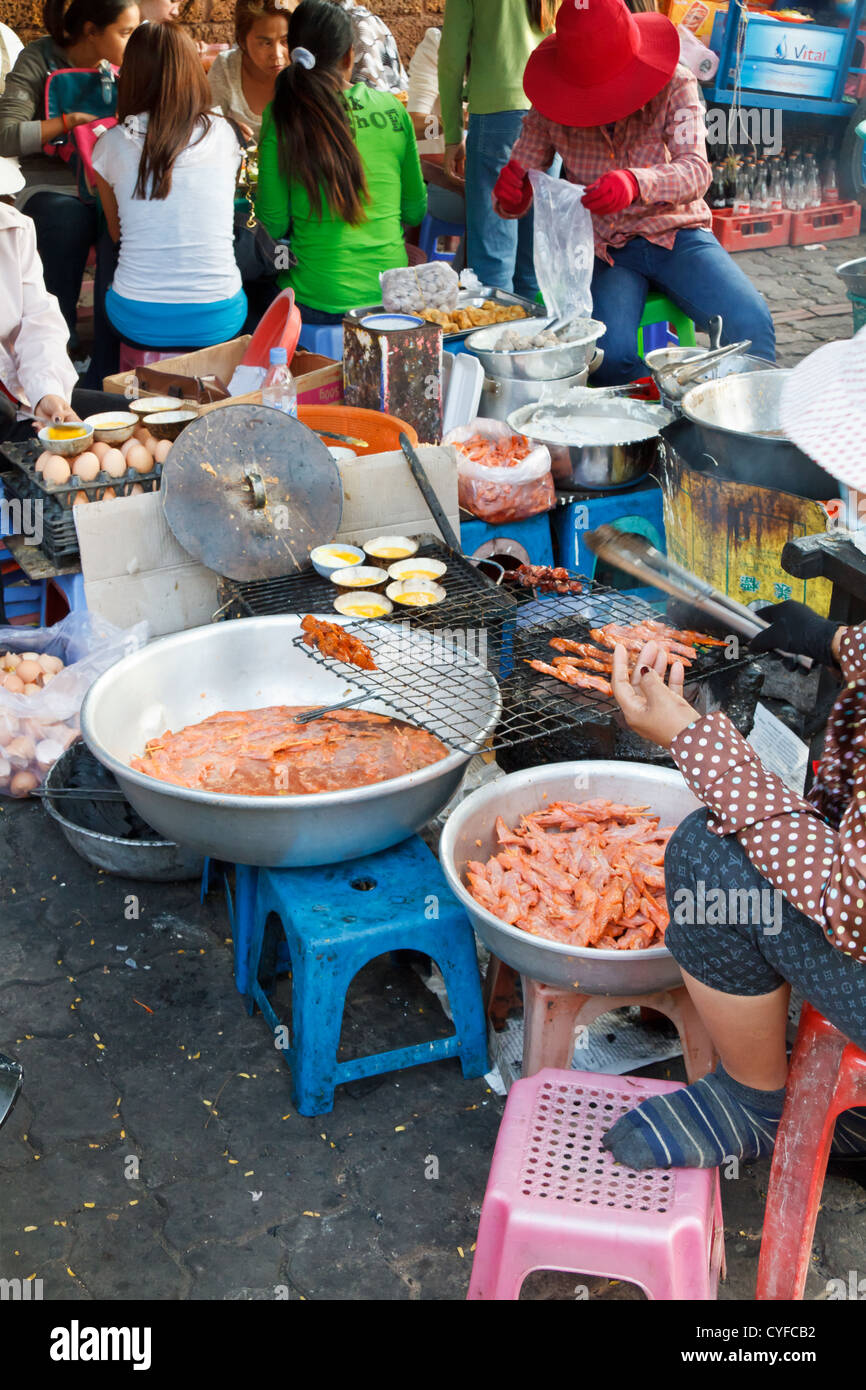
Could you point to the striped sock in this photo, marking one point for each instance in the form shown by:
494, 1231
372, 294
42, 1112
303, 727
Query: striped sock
700, 1126
849, 1136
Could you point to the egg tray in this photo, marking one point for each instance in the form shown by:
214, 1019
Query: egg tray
24, 455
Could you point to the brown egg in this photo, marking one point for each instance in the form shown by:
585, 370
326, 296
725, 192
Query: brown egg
140, 459
31, 688
141, 433
86, 466
150, 443
109, 495
80, 499
11, 660
28, 671
42, 459
52, 664
130, 443
13, 684
113, 463
23, 783
20, 751
161, 452
56, 471
100, 449
136, 490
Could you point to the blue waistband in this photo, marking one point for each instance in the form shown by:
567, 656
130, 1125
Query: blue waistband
176, 325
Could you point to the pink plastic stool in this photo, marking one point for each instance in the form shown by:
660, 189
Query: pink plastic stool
552, 1017
132, 357
826, 1077
556, 1200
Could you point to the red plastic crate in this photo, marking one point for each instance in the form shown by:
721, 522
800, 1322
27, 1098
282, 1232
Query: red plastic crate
751, 231
829, 222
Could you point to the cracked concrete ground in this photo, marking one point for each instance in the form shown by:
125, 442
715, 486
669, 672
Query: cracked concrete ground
155, 1153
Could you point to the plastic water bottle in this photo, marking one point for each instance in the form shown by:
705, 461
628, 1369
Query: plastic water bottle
278, 388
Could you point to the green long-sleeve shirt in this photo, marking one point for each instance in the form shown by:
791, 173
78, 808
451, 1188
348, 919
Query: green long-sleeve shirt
338, 264
498, 38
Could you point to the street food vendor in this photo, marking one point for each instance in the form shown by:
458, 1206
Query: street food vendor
609, 95
37, 378
754, 832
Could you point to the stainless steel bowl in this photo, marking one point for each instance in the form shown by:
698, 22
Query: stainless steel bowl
854, 275
247, 664
470, 834
535, 364
597, 466
155, 861
671, 395
502, 394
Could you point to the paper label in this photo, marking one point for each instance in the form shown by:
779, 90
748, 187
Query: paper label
780, 750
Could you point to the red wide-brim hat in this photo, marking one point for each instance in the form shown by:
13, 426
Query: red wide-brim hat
602, 64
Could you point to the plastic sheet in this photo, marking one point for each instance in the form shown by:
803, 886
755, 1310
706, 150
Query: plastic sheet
564, 252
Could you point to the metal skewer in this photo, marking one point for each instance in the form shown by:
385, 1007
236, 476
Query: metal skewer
312, 714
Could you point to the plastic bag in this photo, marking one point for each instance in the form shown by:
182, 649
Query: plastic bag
502, 492
409, 289
696, 56
564, 252
35, 729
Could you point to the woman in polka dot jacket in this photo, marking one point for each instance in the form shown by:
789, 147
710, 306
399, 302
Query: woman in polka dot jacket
807, 861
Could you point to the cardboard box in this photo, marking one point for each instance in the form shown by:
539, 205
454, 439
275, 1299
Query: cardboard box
381, 497
135, 570
319, 379
697, 15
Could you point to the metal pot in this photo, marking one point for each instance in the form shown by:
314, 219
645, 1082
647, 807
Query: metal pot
246, 664
854, 275
597, 466
737, 423
156, 861
535, 364
470, 834
736, 365
501, 395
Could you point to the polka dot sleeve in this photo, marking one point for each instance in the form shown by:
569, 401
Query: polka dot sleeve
820, 871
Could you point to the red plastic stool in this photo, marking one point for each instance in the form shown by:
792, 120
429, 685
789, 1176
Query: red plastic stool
827, 1076
552, 1017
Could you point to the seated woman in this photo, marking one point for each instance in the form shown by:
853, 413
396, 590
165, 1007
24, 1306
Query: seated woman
36, 375
242, 80
609, 95
803, 855
80, 35
166, 176
338, 170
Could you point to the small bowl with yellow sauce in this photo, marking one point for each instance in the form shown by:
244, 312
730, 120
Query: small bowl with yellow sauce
113, 426
335, 556
419, 567
415, 593
391, 548
361, 603
68, 439
360, 577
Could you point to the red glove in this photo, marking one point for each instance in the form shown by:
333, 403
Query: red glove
612, 192
512, 191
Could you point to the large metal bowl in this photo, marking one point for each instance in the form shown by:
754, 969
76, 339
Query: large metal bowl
671, 394
854, 275
247, 664
598, 466
470, 834
535, 364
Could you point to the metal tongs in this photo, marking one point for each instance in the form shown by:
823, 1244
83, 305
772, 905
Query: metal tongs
638, 557
688, 372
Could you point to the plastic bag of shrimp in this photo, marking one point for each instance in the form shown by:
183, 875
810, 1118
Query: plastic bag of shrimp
501, 476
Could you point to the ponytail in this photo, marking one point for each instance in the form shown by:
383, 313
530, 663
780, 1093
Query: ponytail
315, 139
542, 14
66, 28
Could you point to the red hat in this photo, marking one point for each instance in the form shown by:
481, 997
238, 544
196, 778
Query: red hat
602, 63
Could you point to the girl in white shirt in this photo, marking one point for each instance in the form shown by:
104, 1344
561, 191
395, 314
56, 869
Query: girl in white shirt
166, 177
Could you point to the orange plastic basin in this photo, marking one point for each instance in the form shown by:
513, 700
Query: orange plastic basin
382, 432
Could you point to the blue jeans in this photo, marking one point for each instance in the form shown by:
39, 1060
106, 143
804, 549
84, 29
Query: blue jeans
701, 279
499, 252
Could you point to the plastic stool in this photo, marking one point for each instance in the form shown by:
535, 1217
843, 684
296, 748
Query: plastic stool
324, 338
131, 357
552, 1017
69, 587
556, 1200
827, 1075
336, 919
432, 228
660, 315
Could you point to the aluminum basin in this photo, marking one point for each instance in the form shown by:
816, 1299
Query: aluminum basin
535, 364
469, 834
247, 664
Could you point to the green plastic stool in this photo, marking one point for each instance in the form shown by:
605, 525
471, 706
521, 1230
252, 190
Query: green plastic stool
661, 310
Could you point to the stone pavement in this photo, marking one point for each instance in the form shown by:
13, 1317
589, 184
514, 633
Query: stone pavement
155, 1153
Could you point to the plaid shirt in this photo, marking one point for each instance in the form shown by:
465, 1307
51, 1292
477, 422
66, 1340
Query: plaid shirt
663, 145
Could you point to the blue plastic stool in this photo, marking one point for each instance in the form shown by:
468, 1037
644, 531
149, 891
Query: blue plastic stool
336, 919
324, 338
639, 511
533, 533
432, 228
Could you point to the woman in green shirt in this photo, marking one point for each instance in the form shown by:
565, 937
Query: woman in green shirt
339, 172
495, 39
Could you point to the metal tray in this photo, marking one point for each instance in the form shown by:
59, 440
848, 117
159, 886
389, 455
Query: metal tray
469, 299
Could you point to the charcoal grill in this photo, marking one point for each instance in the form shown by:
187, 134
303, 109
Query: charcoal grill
544, 718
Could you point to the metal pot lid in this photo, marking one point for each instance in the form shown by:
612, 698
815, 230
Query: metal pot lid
249, 491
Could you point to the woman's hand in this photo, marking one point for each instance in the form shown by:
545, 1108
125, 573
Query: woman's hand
654, 711
53, 410
455, 162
